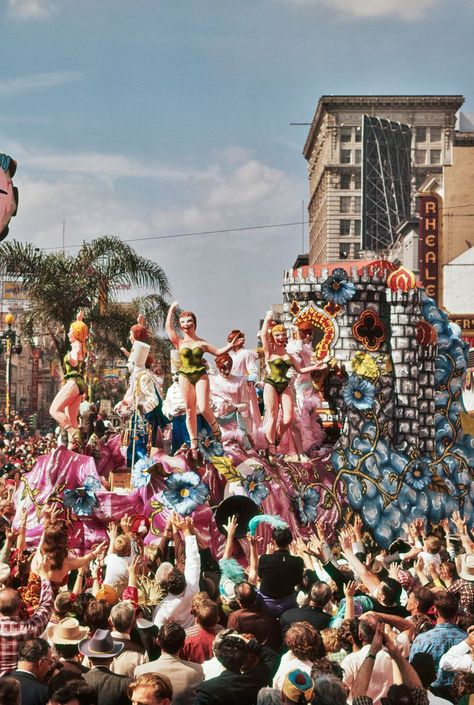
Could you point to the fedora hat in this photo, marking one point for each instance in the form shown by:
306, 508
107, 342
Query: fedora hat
100, 646
467, 567
67, 631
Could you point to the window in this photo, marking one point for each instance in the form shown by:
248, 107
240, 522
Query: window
356, 204
346, 134
357, 179
356, 228
435, 156
344, 250
358, 137
358, 155
345, 204
435, 134
420, 156
357, 249
345, 157
420, 134
345, 181
344, 227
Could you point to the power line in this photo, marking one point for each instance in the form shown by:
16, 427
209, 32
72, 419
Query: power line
196, 234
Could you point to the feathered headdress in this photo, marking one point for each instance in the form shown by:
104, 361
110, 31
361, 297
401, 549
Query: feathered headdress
275, 521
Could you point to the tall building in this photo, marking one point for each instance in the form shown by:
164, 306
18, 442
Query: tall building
334, 153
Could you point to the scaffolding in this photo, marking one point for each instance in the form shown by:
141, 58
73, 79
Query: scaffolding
386, 180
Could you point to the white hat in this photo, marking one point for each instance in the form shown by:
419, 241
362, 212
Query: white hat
67, 631
467, 566
139, 353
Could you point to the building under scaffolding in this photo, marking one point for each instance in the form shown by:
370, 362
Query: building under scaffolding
386, 180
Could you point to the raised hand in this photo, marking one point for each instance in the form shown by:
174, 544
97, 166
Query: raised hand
231, 526
350, 589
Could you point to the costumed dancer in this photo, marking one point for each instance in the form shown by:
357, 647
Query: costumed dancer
140, 332
230, 401
277, 396
245, 363
193, 378
142, 401
65, 405
307, 400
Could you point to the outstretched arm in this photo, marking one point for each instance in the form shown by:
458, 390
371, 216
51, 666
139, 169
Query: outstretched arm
319, 365
170, 331
220, 351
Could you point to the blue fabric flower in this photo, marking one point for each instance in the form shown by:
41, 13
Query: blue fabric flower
209, 446
83, 500
307, 501
419, 475
141, 474
184, 492
336, 288
358, 393
254, 486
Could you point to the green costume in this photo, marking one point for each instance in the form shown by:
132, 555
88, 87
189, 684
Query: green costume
278, 371
75, 373
192, 366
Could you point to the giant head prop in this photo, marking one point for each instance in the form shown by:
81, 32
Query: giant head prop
8, 193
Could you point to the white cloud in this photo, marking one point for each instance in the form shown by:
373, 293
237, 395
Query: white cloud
230, 279
38, 81
409, 10
31, 9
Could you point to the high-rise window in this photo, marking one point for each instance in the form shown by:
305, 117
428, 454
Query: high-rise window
357, 229
345, 181
357, 179
358, 156
356, 204
435, 156
420, 156
421, 134
345, 157
435, 134
358, 134
346, 134
344, 250
345, 204
344, 227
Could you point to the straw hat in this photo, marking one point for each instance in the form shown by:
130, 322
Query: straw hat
467, 567
67, 631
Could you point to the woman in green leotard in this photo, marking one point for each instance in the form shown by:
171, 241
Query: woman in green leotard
65, 406
193, 379
276, 394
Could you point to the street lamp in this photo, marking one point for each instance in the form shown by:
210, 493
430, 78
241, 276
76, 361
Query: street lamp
11, 340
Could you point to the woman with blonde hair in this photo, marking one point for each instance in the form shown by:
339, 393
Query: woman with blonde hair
65, 406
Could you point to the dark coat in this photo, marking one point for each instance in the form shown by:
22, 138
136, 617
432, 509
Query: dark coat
32, 691
111, 688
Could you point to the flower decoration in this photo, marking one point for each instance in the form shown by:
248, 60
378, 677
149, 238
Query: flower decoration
401, 279
307, 501
369, 330
141, 473
83, 500
336, 288
254, 486
425, 334
184, 492
209, 446
358, 393
419, 475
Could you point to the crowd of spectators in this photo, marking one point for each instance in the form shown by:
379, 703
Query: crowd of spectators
168, 622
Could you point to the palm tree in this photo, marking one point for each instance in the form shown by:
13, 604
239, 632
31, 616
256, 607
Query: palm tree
59, 285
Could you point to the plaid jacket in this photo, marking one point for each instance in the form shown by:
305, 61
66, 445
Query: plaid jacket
14, 630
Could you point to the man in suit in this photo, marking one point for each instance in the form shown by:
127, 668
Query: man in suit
250, 619
101, 649
248, 667
312, 612
34, 664
279, 573
184, 675
151, 689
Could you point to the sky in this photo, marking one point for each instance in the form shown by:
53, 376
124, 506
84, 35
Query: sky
153, 118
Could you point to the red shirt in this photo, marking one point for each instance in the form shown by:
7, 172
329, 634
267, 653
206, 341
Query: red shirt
198, 648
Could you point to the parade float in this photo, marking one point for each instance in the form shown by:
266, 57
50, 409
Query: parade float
389, 365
